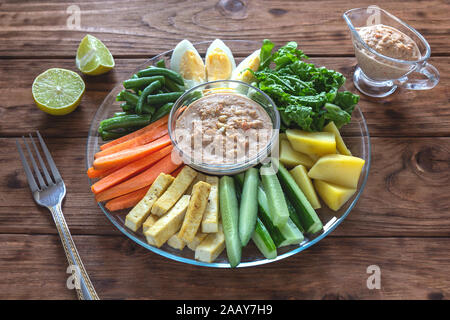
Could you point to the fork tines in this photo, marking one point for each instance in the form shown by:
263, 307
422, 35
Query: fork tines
40, 184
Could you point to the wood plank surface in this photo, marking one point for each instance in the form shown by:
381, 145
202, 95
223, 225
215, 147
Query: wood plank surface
403, 197
400, 224
34, 267
143, 28
402, 114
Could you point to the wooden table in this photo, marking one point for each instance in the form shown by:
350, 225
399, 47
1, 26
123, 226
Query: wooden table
401, 224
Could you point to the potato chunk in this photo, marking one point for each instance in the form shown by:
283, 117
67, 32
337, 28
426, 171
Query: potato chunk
340, 145
338, 169
312, 143
291, 158
333, 195
300, 175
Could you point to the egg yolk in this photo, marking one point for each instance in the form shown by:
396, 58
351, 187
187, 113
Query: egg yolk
253, 64
192, 67
218, 65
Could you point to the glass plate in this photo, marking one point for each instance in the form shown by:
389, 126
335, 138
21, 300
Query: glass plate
355, 134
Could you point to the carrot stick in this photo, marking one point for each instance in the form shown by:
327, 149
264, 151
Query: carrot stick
127, 200
147, 137
124, 157
142, 180
129, 170
136, 133
96, 173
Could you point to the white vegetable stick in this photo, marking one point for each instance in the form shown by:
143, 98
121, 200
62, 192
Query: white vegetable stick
140, 212
169, 224
174, 192
211, 247
210, 222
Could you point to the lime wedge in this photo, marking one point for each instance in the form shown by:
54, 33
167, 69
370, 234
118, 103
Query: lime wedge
58, 91
93, 57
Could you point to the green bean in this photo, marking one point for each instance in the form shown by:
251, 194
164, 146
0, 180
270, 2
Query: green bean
163, 98
129, 109
126, 107
155, 71
161, 63
148, 109
122, 113
162, 111
128, 96
141, 82
125, 121
148, 90
172, 86
194, 95
108, 135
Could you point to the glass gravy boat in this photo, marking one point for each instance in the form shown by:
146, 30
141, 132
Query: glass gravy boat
378, 75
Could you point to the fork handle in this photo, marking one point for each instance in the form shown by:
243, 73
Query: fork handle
86, 290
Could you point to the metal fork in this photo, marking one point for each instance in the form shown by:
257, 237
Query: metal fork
50, 193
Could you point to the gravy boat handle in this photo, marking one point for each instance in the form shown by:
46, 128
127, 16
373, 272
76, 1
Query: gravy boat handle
429, 72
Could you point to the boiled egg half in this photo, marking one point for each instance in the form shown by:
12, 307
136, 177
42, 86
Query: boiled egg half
219, 61
242, 73
187, 62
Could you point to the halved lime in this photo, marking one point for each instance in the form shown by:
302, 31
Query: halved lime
58, 91
93, 57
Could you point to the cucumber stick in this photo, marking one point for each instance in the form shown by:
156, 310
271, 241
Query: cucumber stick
229, 212
248, 209
263, 210
275, 196
294, 215
238, 186
308, 216
290, 234
263, 241
281, 236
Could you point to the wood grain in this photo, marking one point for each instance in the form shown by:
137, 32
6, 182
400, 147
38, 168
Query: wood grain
405, 194
39, 28
402, 114
34, 267
400, 223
